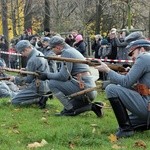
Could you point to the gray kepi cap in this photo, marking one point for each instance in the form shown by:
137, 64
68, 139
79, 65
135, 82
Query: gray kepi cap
134, 36
56, 40
21, 45
45, 39
138, 43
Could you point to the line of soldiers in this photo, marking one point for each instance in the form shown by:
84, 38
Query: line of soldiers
75, 77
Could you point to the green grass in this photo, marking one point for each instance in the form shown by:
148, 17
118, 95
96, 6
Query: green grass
22, 126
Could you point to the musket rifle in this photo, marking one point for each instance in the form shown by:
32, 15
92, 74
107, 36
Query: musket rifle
4, 78
21, 71
88, 62
84, 91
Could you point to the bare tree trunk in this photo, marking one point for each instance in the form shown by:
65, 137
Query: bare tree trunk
98, 16
13, 19
18, 17
47, 14
4, 19
28, 15
149, 25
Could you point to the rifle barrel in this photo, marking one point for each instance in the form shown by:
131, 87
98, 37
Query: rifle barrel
88, 62
84, 91
4, 78
73, 60
21, 71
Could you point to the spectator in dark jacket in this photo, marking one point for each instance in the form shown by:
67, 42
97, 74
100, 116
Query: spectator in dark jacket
96, 45
80, 45
111, 40
70, 40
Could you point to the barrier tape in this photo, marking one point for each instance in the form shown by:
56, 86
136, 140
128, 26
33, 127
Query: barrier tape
9, 53
104, 60
111, 60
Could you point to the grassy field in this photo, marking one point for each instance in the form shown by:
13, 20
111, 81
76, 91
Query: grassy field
21, 127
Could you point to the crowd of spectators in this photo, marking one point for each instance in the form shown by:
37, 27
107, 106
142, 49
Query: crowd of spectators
111, 46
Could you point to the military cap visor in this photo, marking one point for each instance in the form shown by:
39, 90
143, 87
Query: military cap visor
137, 44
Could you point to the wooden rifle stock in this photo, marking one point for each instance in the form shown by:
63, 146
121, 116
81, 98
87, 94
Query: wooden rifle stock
84, 91
113, 66
4, 78
21, 71
116, 67
88, 62
72, 60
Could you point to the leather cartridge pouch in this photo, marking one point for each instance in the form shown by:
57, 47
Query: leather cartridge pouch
142, 89
79, 78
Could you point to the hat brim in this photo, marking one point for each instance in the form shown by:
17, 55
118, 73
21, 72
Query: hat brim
131, 51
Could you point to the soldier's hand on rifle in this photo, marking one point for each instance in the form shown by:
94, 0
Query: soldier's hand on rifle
103, 67
12, 78
42, 75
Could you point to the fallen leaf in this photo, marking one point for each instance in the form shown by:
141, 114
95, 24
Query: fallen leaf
93, 131
16, 131
43, 119
34, 145
3, 125
140, 144
115, 146
37, 144
94, 125
46, 111
71, 145
112, 138
44, 142
17, 109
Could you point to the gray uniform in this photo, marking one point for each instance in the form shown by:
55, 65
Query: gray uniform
32, 92
65, 81
131, 99
7, 88
52, 64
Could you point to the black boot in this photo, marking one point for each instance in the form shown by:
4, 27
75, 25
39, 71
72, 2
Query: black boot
141, 127
42, 102
84, 104
95, 107
125, 128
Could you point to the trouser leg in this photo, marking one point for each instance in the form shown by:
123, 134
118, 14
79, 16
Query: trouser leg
63, 89
64, 100
133, 102
25, 97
